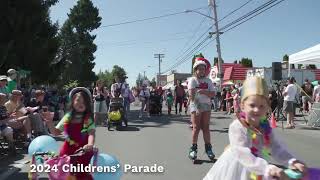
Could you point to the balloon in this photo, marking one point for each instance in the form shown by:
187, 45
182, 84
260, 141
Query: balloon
43, 144
115, 115
105, 160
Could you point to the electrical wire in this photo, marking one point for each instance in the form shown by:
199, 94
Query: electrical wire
253, 16
148, 19
235, 10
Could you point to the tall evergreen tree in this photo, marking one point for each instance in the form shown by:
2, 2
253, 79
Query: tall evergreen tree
77, 42
28, 38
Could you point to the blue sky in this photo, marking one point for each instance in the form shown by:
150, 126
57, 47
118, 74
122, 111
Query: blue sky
291, 26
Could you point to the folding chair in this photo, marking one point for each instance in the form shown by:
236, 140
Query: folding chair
314, 117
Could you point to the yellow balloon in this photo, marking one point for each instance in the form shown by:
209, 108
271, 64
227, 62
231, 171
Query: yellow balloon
115, 115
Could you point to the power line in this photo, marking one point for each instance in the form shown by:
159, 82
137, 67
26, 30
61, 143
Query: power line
253, 16
235, 10
120, 44
194, 33
148, 19
261, 8
186, 51
185, 58
249, 14
190, 55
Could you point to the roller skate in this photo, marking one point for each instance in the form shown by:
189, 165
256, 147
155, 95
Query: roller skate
193, 152
209, 152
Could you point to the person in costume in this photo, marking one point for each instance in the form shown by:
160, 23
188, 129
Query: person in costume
201, 91
252, 142
79, 129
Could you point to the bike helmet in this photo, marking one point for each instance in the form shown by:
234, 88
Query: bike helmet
80, 89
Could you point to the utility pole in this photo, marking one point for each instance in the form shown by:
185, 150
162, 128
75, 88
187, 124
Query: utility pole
144, 74
159, 57
212, 4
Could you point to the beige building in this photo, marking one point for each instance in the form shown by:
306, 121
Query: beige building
172, 78
162, 79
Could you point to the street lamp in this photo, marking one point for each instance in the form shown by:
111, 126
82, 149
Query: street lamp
189, 11
212, 4
144, 72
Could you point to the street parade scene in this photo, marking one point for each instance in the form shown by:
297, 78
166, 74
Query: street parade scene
160, 90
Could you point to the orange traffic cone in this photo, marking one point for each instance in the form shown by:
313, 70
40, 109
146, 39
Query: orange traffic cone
273, 122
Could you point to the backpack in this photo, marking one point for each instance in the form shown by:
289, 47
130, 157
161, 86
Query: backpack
117, 92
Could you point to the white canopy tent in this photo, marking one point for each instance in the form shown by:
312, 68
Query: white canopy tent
307, 56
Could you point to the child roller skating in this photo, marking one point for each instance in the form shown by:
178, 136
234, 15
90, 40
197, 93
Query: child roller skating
201, 91
253, 144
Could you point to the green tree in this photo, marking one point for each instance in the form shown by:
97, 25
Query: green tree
139, 80
119, 72
153, 82
246, 62
312, 66
77, 42
28, 38
215, 61
285, 58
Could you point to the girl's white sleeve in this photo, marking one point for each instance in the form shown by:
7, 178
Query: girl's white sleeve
192, 83
239, 145
279, 152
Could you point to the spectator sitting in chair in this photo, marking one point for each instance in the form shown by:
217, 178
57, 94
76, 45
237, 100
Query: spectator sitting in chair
16, 109
5, 130
37, 106
3, 86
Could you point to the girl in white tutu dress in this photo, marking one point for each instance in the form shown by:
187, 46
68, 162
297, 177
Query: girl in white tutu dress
252, 143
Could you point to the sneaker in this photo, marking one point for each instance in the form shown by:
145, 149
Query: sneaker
193, 151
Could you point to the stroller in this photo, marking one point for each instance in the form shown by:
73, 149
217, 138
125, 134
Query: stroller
155, 104
116, 113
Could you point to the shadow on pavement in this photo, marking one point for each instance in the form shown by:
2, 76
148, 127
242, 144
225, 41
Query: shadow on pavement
200, 161
220, 130
158, 120
221, 117
310, 128
129, 128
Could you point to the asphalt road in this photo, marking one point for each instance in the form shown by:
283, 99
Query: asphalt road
164, 141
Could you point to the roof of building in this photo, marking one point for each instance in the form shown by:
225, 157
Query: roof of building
234, 71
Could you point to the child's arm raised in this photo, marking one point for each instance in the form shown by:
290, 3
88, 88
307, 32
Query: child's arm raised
47, 116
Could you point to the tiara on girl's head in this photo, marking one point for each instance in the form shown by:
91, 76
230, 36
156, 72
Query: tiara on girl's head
254, 86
